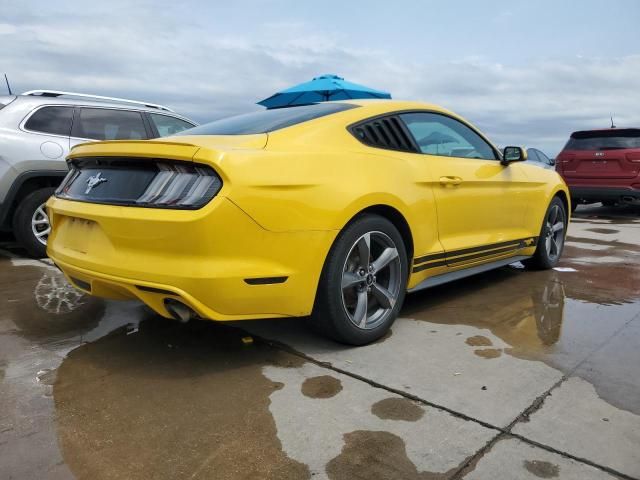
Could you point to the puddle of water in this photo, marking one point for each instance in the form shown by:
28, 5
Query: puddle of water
397, 408
488, 353
379, 455
606, 231
542, 469
323, 386
171, 401
42, 305
479, 341
550, 316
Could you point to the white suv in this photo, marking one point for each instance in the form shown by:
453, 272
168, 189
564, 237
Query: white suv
38, 128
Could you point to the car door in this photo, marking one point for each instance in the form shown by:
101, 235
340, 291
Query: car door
97, 123
51, 125
481, 204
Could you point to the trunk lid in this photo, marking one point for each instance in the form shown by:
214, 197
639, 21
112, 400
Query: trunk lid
256, 141
156, 174
601, 154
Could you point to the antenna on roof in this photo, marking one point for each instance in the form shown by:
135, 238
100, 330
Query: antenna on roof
8, 86
612, 125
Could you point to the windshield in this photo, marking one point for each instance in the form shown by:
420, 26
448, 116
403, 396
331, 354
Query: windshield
605, 140
267, 120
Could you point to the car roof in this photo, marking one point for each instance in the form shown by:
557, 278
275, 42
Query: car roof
600, 130
36, 100
394, 105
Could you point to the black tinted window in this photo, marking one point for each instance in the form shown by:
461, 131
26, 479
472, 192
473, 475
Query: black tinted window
605, 140
440, 135
55, 120
267, 120
106, 124
167, 125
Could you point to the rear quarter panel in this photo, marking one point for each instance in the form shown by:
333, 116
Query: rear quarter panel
544, 185
319, 179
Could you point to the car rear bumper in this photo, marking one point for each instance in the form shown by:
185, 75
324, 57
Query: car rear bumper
597, 194
216, 260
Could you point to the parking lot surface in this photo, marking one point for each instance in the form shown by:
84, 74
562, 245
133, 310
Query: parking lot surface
512, 374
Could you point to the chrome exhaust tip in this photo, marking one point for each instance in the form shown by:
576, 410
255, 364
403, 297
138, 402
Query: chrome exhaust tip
178, 310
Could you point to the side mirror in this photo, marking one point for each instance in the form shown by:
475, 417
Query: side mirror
513, 154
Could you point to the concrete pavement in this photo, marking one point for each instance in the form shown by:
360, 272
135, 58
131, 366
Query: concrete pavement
508, 375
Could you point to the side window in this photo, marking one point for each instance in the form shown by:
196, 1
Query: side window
532, 155
438, 134
167, 125
107, 124
544, 159
55, 120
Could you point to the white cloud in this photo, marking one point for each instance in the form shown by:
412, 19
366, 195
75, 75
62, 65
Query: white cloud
205, 74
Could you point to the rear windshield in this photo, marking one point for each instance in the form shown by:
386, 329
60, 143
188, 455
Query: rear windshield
267, 120
605, 140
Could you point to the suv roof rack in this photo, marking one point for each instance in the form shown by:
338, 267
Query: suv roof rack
57, 93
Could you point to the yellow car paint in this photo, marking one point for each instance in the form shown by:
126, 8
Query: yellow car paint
286, 195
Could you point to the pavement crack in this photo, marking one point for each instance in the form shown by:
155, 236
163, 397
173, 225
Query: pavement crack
503, 433
373, 383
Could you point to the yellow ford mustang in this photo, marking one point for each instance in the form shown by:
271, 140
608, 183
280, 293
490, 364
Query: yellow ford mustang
332, 210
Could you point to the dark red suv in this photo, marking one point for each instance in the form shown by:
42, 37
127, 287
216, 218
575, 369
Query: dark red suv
602, 166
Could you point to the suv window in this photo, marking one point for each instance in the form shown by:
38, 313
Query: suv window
267, 120
54, 120
108, 124
604, 139
438, 134
167, 125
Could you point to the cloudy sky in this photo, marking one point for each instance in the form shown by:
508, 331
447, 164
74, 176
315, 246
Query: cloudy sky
525, 72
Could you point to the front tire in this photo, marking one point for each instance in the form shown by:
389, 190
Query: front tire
31, 223
363, 282
551, 239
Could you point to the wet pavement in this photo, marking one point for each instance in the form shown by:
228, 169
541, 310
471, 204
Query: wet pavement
511, 374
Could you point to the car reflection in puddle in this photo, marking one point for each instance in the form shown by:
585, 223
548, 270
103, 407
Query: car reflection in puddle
45, 308
525, 312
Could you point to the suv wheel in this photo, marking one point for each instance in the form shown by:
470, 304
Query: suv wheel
363, 282
31, 222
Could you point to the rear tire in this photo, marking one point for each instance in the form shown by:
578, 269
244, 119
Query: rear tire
551, 239
31, 223
359, 299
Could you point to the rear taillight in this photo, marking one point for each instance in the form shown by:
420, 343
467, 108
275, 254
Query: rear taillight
145, 184
633, 157
181, 186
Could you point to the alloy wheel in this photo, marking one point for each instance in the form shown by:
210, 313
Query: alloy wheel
371, 280
40, 225
554, 237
